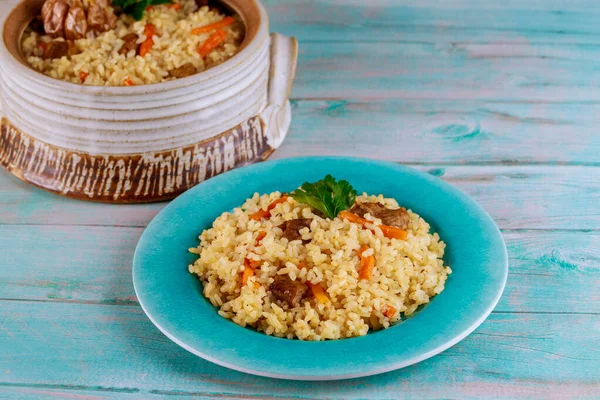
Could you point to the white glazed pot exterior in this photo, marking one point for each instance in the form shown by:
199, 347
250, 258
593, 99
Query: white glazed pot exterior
151, 142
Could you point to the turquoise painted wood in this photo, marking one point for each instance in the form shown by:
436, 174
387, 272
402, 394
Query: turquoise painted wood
499, 98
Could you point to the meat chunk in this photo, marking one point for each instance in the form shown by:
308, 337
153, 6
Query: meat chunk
291, 228
54, 13
56, 49
285, 289
72, 48
129, 43
183, 71
75, 22
395, 217
101, 16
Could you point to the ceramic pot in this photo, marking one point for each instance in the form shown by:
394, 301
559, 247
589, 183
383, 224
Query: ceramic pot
149, 142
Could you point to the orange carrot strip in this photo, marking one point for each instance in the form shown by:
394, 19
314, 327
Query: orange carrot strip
318, 291
260, 214
260, 237
175, 6
83, 75
211, 27
389, 311
249, 263
347, 215
146, 46
128, 82
248, 272
367, 264
391, 232
149, 30
213, 41
280, 200
249, 269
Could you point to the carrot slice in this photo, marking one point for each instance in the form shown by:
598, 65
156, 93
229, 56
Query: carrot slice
260, 214
261, 235
211, 27
318, 291
149, 30
249, 269
249, 263
388, 311
213, 41
128, 82
248, 272
175, 6
390, 232
367, 264
146, 46
83, 75
347, 215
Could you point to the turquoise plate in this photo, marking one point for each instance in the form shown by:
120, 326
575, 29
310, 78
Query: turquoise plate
172, 298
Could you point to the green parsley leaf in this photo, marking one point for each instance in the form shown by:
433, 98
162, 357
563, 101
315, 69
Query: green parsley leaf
327, 195
136, 8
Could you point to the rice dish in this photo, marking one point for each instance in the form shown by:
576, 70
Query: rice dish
328, 257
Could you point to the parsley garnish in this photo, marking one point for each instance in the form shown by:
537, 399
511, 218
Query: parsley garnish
327, 195
136, 8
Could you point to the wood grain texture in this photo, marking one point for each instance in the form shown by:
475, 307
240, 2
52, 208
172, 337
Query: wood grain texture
117, 347
517, 197
499, 98
544, 267
471, 21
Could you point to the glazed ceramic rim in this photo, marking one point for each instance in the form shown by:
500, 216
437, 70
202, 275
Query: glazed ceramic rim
240, 57
484, 229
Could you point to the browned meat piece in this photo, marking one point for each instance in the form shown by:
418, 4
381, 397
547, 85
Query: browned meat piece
72, 48
394, 217
291, 228
183, 71
75, 23
54, 13
202, 3
56, 49
101, 16
130, 43
285, 289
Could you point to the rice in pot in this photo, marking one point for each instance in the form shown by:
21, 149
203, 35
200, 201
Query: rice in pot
99, 62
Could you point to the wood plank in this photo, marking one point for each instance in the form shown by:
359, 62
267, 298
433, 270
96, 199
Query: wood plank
84, 343
93, 264
65, 392
501, 72
434, 21
442, 131
517, 197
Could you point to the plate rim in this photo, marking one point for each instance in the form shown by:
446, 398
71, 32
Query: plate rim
326, 377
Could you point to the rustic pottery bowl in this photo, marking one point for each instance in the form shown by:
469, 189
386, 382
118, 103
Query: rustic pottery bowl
149, 142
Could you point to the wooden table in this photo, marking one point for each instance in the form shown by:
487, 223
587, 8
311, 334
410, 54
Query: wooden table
499, 98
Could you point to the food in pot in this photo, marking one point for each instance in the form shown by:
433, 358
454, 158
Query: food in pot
124, 43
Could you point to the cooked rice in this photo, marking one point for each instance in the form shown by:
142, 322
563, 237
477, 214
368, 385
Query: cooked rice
407, 272
173, 47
